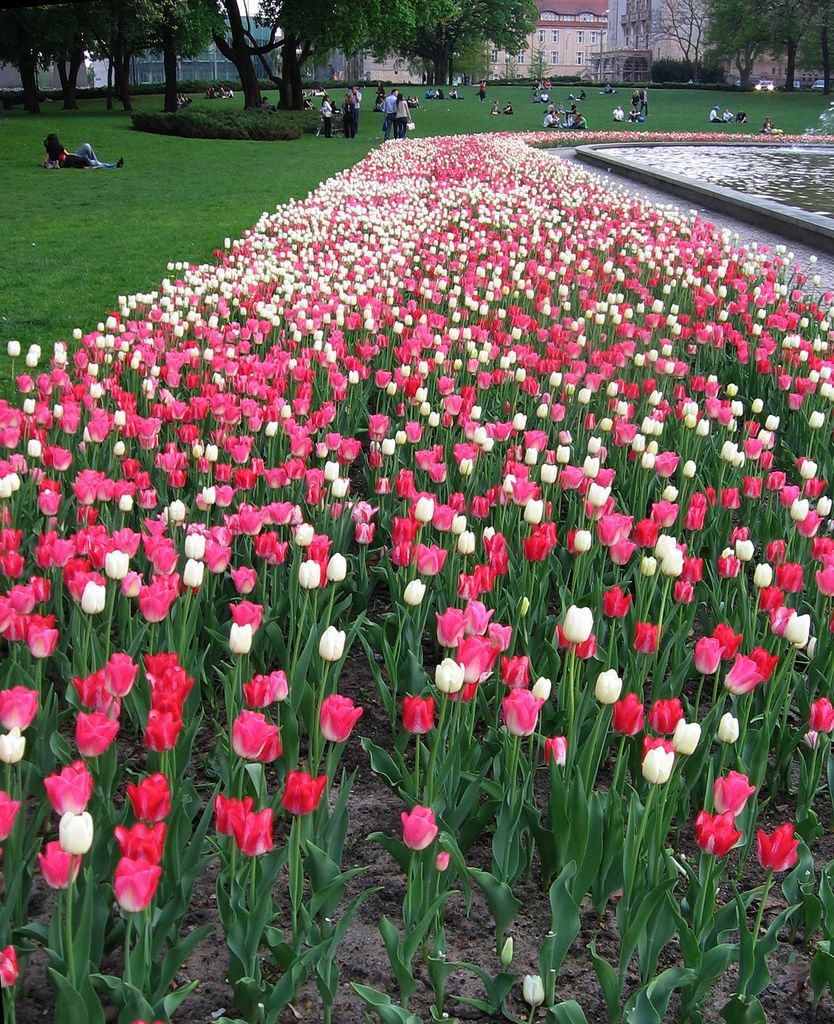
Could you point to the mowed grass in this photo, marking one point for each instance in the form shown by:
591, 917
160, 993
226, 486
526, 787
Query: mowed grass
74, 241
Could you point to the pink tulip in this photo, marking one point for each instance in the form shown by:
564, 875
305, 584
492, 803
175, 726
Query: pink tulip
744, 676
451, 626
94, 733
338, 717
18, 707
732, 792
520, 710
254, 738
8, 813
120, 674
419, 827
70, 789
56, 865
135, 883
707, 655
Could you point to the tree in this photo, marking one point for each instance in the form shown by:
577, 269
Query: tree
241, 48
815, 49
685, 23
738, 33
21, 35
788, 20
435, 31
122, 29
180, 28
538, 64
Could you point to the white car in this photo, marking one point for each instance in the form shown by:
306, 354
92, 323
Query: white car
764, 85
818, 86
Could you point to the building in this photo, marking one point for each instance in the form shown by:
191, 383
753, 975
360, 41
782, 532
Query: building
567, 40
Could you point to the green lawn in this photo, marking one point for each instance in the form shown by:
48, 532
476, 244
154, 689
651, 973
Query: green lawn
75, 241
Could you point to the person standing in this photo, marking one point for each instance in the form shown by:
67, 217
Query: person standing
357, 103
327, 116
482, 91
348, 116
402, 116
644, 101
390, 110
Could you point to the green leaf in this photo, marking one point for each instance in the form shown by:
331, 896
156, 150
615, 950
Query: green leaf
70, 1005
740, 1010
649, 1005
569, 1012
609, 983
502, 904
380, 1004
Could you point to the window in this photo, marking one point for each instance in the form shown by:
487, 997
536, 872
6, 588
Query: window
580, 57
587, 17
548, 16
593, 39
494, 56
541, 36
554, 57
554, 36
521, 57
580, 36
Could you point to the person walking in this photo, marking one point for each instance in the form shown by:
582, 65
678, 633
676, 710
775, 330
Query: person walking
357, 103
482, 91
327, 116
402, 116
389, 108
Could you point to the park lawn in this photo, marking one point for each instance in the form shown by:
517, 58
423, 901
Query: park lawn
74, 242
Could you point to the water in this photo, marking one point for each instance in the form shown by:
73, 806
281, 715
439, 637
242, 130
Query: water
799, 176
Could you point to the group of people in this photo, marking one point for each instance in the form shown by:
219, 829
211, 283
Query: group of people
350, 110
728, 117
508, 109
438, 94
396, 115
572, 118
183, 101
220, 93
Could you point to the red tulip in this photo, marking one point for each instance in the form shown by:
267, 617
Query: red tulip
94, 732
515, 671
8, 813
556, 750
135, 883
230, 812
777, 851
70, 789
730, 641
302, 792
120, 674
338, 717
664, 715
627, 718
418, 714
419, 827
151, 798
261, 691
8, 967
716, 833
254, 738
139, 842
615, 604
253, 831
162, 730
822, 715
646, 636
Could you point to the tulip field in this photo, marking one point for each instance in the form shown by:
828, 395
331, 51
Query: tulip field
425, 612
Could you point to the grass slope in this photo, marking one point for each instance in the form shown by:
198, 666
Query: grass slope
74, 241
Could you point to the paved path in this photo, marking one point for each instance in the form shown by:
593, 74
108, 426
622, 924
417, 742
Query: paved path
746, 233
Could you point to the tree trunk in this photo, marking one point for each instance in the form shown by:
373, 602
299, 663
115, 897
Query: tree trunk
240, 54
791, 64
169, 60
124, 83
826, 60
451, 70
109, 83
291, 97
28, 70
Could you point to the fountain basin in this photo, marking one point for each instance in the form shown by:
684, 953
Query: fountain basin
683, 169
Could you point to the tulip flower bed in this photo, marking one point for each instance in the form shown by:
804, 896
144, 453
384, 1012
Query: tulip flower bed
467, 503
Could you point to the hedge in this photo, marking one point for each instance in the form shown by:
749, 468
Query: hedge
254, 125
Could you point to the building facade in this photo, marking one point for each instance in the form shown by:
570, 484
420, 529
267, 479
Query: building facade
567, 40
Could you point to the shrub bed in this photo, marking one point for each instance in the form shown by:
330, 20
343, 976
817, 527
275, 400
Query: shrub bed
255, 125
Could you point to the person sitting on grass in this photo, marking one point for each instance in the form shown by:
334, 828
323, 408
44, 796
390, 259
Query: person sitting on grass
714, 115
508, 109
453, 95
580, 123
619, 113
494, 109
84, 156
768, 128
727, 116
633, 116
741, 117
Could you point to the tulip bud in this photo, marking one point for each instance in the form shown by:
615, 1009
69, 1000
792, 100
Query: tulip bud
12, 746
240, 639
533, 512
176, 512
578, 624
728, 730
332, 644
304, 535
533, 990
541, 688
686, 737
414, 593
507, 952
608, 687
657, 766
337, 568
582, 541
75, 833
448, 676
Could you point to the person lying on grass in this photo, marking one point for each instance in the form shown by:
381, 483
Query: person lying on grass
84, 156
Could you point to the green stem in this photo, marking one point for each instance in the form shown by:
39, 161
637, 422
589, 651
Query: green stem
438, 739
702, 898
417, 752
128, 931
69, 951
758, 923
